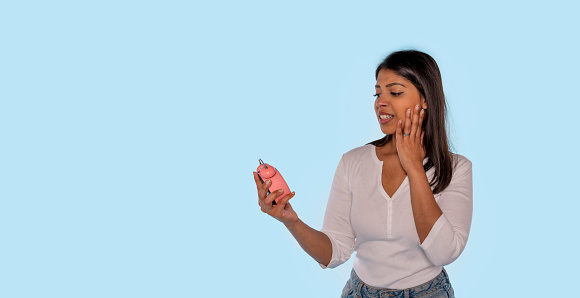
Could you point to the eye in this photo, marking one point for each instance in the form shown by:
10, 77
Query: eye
377, 95
396, 93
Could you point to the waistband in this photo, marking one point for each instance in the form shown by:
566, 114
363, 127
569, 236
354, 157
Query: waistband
441, 280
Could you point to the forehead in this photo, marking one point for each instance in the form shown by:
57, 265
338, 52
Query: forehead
387, 76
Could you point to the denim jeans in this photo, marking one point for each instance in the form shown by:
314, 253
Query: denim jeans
438, 287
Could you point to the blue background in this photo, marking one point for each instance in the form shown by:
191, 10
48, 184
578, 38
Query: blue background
130, 130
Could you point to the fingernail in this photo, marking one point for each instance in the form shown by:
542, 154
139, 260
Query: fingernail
416, 107
409, 111
267, 180
280, 190
422, 112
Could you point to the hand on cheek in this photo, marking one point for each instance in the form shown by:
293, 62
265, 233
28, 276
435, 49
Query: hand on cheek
409, 137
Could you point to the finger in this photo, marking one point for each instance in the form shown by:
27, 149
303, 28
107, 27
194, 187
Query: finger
266, 203
415, 122
259, 185
407, 128
265, 208
420, 125
283, 205
263, 191
422, 137
285, 200
272, 196
257, 180
399, 131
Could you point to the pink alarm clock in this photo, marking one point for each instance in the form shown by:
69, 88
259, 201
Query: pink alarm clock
266, 171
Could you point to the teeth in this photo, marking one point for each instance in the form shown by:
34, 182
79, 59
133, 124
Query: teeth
386, 116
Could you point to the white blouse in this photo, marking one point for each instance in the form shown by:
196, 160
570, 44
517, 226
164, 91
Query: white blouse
361, 217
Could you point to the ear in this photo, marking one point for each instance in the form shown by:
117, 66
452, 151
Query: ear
423, 103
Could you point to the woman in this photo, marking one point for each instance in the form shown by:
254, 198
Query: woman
403, 202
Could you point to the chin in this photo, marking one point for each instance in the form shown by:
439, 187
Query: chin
387, 130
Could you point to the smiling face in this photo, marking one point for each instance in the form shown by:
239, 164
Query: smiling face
395, 95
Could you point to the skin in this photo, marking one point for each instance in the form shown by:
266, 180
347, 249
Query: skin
402, 156
314, 242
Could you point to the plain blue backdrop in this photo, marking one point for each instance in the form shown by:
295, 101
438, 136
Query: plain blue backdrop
130, 129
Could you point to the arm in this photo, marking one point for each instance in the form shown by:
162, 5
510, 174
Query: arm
448, 234
336, 225
425, 209
313, 242
442, 224
335, 243
411, 152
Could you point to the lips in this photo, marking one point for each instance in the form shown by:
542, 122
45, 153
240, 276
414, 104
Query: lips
385, 117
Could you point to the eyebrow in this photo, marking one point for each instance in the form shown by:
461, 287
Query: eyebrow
391, 84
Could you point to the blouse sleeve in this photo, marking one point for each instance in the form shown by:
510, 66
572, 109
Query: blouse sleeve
448, 236
336, 223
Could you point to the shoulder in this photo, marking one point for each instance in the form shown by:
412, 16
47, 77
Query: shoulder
460, 159
358, 153
461, 164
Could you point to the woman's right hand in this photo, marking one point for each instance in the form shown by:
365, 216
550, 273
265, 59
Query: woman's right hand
282, 211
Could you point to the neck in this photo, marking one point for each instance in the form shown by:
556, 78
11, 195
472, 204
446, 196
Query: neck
390, 147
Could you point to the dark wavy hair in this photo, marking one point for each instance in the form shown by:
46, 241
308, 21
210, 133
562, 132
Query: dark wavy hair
422, 70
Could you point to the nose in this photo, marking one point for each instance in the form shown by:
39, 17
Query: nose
382, 102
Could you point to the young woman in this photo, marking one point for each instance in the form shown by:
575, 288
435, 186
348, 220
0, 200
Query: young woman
403, 202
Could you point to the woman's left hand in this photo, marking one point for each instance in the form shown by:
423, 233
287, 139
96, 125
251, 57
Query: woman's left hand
410, 147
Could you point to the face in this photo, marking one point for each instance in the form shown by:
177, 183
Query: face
395, 95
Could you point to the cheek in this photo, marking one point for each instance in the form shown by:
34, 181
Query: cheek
401, 110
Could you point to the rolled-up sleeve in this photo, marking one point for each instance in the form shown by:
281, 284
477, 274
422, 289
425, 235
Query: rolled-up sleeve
449, 234
336, 223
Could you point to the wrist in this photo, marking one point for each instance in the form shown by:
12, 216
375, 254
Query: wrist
415, 169
293, 224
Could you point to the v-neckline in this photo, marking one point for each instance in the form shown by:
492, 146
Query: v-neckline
380, 177
383, 188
